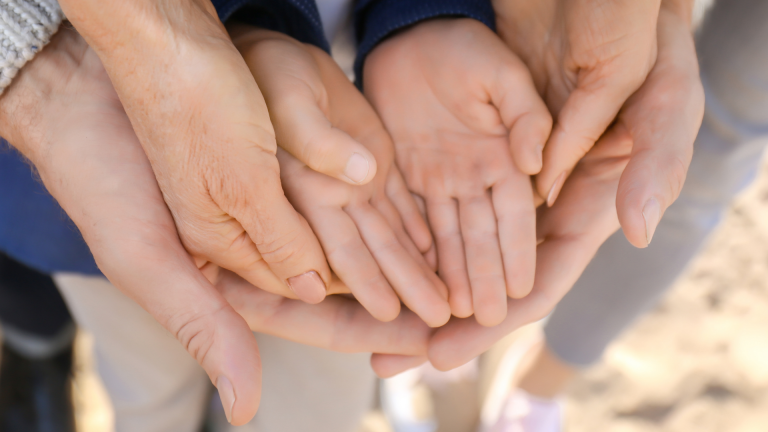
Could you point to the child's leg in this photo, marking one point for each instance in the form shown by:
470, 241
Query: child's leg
153, 384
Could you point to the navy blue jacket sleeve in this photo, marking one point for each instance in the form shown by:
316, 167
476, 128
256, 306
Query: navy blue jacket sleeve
299, 19
377, 19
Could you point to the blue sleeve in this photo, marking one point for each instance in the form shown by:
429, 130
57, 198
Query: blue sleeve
377, 19
299, 19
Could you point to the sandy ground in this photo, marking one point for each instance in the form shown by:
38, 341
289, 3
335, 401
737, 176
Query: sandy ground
699, 362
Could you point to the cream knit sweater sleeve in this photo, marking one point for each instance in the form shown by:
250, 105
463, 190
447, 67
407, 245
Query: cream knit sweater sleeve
25, 27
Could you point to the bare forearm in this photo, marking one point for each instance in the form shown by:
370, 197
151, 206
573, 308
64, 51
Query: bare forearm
146, 45
158, 54
118, 27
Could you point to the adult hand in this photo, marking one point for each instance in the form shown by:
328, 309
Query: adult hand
587, 58
657, 125
203, 123
361, 227
63, 114
468, 128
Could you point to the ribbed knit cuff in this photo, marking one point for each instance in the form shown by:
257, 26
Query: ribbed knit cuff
26, 26
375, 20
298, 19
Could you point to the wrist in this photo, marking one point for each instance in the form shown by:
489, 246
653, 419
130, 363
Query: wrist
25, 104
144, 30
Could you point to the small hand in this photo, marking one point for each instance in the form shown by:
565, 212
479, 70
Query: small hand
364, 230
655, 130
469, 129
587, 58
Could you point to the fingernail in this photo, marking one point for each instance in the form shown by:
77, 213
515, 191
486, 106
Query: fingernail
227, 396
540, 155
651, 214
357, 168
555, 191
309, 287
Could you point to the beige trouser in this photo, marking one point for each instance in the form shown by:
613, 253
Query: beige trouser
155, 386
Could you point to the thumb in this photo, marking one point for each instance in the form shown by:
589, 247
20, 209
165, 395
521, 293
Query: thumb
303, 129
651, 182
524, 114
276, 235
182, 300
299, 105
663, 118
587, 113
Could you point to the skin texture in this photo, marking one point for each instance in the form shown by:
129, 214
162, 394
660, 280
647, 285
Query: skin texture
587, 58
206, 130
63, 114
468, 128
657, 124
363, 229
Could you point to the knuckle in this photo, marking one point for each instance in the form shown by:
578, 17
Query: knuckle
677, 172
281, 248
316, 151
194, 332
233, 190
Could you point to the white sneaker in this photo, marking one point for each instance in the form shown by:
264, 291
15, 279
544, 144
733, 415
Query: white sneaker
507, 409
405, 403
406, 398
523, 412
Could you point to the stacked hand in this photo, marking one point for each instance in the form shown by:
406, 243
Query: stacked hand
468, 129
644, 153
191, 182
63, 108
364, 230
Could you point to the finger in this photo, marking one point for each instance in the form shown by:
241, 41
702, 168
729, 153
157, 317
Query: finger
524, 114
180, 298
571, 240
353, 263
298, 107
282, 237
337, 324
385, 207
389, 365
516, 215
484, 263
304, 131
242, 257
663, 118
431, 255
431, 258
461, 340
422, 206
587, 113
413, 218
418, 288
210, 271
451, 261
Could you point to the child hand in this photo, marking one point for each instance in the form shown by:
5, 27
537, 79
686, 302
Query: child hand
369, 233
469, 129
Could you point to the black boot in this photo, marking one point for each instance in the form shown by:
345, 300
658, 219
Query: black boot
36, 394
